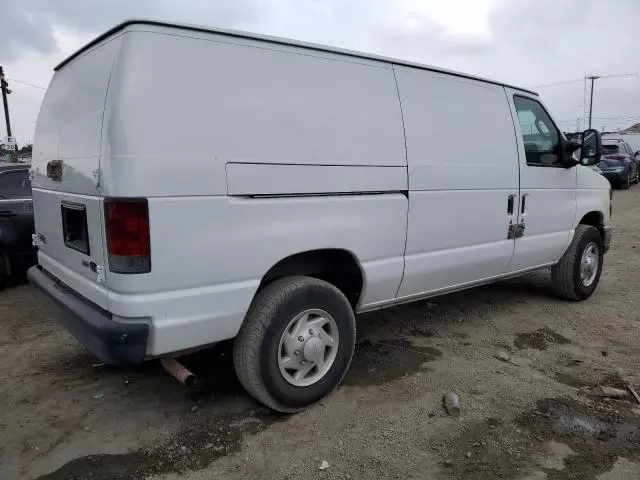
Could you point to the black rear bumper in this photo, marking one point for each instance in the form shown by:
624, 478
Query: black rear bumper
616, 177
113, 342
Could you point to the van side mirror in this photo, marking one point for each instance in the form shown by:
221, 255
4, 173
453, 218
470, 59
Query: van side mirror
591, 147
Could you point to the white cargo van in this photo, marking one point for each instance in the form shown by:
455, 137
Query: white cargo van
194, 185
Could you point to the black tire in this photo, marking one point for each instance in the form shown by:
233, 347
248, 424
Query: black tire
566, 273
625, 184
256, 348
3, 270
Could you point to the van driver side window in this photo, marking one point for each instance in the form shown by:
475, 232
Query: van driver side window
540, 135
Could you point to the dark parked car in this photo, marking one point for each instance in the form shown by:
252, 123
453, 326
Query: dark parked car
16, 221
618, 163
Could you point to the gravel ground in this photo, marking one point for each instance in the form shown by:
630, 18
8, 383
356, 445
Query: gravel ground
65, 416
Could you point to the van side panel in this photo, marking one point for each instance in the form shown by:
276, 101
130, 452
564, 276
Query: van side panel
463, 166
244, 117
227, 99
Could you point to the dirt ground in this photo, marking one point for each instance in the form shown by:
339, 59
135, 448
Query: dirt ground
536, 416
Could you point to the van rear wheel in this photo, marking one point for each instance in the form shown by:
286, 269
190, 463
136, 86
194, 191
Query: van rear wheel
577, 274
296, 343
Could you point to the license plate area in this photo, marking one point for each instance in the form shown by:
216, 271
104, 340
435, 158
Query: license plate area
74, 226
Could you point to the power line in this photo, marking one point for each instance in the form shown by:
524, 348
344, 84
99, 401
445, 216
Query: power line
620, 117
612, 117
556, 84
575, 80
621, 75
27, 83
601, 118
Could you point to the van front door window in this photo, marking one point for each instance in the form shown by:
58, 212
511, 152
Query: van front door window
540, 135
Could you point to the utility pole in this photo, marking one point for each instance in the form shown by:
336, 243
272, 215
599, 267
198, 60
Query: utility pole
5, 92
593, 78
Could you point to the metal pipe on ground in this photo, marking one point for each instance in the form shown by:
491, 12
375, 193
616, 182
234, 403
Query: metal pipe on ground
179, 371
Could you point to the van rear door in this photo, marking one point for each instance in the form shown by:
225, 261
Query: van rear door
66, 171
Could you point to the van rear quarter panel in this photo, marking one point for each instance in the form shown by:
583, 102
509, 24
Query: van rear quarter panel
265, 112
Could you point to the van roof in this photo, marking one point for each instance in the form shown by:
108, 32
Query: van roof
282, 41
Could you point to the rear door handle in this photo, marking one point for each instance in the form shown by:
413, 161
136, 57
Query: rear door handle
523, 203
519, 230
511, 200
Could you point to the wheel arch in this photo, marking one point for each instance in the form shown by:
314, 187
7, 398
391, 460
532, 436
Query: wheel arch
595, 219
337, 266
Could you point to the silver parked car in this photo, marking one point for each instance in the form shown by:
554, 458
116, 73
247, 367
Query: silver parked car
618, 163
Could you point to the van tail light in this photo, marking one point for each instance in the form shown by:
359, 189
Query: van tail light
127, 230
614, 157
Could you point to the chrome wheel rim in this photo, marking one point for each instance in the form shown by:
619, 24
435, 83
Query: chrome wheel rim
589, 264
308, 347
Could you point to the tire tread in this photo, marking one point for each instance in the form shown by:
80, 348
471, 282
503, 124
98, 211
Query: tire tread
562, 272
246, 351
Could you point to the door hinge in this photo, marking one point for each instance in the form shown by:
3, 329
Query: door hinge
516, 231
100, 274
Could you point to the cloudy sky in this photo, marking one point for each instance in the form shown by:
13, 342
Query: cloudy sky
531, 43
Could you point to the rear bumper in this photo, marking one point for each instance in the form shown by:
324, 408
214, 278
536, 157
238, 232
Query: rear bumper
113, 342
615, 177
606, 240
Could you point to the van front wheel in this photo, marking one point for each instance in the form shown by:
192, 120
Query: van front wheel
296, 343
577, 274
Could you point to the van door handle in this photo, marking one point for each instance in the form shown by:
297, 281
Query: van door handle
523, 203
511, 233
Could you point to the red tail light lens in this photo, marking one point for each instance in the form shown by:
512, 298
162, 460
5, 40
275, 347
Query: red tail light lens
127, 231
614, 157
